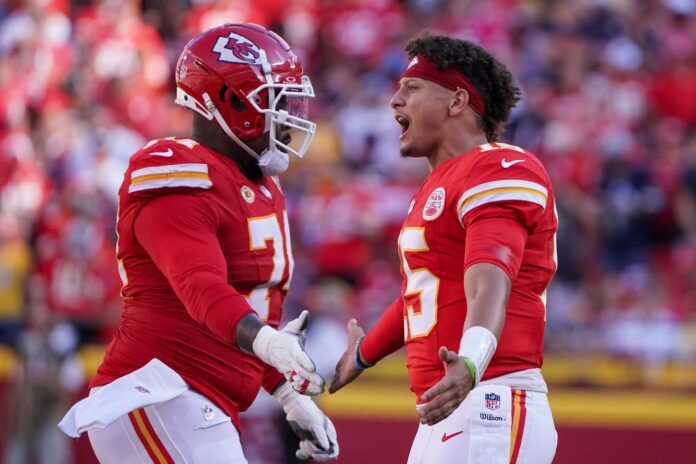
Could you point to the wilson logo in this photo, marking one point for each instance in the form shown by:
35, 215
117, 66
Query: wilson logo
490, 417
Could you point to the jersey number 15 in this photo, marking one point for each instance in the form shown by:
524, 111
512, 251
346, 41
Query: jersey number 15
422, 286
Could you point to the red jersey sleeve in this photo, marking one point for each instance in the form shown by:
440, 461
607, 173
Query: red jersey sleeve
386, 336
497, 239
504, 197
271, 379
179, 234
165, 167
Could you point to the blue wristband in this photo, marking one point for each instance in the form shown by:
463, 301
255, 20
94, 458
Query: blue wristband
360, 363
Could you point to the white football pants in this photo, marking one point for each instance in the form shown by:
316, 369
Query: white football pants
189, 429
494, 425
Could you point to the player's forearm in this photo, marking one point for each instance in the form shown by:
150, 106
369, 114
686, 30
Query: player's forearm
386, 336
487, 289
247, 329
213, 303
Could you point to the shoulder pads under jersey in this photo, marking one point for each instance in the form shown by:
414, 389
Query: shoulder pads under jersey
170, 165
501, 172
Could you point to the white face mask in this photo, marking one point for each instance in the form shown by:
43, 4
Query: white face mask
273, 162
293, 117
275, 159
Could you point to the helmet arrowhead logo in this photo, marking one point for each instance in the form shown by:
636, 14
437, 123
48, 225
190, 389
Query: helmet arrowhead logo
236, 48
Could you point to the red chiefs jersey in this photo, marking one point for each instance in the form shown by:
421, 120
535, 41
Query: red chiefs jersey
478, 207
199, 247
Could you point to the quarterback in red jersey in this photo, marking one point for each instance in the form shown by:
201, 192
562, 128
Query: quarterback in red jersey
477, 253
204, 254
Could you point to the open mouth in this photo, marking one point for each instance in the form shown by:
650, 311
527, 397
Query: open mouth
404, 122
286, 138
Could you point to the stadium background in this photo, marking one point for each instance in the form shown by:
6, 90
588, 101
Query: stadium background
609, 105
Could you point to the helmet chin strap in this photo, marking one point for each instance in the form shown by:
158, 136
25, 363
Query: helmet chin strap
272, 162
221, 121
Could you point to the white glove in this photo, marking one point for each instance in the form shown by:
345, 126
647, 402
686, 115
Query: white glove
284, 350
318, 439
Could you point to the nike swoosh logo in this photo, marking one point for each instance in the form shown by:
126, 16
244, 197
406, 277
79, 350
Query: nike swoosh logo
507, 164
166, 154
446, 437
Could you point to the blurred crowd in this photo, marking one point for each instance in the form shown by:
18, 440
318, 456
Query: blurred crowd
609, 105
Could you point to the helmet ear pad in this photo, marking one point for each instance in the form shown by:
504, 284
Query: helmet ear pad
246, 123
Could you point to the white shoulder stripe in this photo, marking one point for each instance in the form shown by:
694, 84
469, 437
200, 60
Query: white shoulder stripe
170, 182
190, 167
505, 183
171, 175
502, 196
501, 190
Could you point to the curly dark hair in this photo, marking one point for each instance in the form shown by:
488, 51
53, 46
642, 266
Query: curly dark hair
490, 77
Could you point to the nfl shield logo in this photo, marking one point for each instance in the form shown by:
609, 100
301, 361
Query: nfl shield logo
492, 401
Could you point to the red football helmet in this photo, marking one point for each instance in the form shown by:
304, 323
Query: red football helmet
248, 79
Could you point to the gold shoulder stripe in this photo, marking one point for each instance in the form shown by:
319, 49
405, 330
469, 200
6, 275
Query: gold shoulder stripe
171, 175
501, 190
529, 191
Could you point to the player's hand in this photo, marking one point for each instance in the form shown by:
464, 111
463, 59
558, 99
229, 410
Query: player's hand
446, 395
346, 370
318, 439
284, 350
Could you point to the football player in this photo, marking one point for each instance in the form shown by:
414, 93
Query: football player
477, 252
204, 254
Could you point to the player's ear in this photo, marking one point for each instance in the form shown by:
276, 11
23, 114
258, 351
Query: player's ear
458, 102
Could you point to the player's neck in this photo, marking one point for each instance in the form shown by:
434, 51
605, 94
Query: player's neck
214, 138
456, 142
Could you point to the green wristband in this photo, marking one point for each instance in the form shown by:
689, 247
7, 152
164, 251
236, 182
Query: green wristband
472, 370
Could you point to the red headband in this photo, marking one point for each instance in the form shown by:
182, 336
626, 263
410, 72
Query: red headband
451, 79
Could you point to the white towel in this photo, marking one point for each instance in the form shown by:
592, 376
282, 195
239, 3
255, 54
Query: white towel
153, 383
